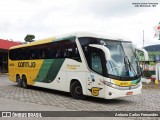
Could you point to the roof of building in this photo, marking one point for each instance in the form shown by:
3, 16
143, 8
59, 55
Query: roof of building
152, 48
6, 44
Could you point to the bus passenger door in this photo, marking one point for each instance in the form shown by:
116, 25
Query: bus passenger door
96, 75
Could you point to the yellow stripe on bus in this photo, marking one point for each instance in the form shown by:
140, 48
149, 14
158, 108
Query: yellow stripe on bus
43, 41
122, 83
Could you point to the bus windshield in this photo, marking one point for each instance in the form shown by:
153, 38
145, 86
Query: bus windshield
123, 63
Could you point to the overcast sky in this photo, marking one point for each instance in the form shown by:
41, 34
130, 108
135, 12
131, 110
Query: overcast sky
46, 18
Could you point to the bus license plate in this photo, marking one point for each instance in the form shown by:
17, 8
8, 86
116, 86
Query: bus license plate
129, 93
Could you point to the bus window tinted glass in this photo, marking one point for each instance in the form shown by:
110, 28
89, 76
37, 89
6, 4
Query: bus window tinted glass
60, 49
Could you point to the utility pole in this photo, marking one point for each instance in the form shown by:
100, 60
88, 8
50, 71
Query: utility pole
143, 38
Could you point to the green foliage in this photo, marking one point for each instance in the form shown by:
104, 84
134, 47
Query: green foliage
147, 74
140, 56
29, 38
150, 54
152, 63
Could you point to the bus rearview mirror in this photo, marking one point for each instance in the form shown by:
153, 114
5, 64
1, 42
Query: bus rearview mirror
104, 49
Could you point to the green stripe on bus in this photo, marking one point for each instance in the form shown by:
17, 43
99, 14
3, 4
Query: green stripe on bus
49, 70
136, 81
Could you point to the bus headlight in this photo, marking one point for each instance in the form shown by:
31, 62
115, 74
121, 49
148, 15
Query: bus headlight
110, 84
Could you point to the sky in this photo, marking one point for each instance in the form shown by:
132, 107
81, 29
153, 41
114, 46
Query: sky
47, 18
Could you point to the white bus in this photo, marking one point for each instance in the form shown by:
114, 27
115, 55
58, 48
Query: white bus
84, 64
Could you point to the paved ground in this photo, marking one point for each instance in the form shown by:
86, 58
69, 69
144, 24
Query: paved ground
13, 97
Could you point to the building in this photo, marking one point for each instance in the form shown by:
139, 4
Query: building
4, 47
154, 57
154, 52
153, 48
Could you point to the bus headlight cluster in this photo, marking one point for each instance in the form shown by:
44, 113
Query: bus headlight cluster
110, 84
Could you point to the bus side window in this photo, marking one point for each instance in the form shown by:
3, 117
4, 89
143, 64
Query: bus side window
17, 54
65, 53
58, 53
33, 55
96, 64
72, 51
51, 53
43, 54
12, 54
27, 54
75, 54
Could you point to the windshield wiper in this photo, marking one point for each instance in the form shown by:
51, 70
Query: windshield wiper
129, 67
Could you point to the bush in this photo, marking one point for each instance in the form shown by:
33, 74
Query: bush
147, 74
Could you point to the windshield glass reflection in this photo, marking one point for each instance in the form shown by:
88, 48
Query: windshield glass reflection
123, 61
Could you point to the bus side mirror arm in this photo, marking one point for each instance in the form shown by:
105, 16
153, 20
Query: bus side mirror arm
146, 58
104, 49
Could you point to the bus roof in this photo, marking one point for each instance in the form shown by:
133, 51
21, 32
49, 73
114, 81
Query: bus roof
61, 37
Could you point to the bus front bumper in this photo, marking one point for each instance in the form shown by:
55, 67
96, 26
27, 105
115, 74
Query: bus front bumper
118, 92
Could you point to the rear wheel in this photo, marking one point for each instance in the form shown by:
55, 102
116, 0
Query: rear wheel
24, 82
19, 81
76, 90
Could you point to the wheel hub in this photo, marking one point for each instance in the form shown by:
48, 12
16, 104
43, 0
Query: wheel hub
78, 90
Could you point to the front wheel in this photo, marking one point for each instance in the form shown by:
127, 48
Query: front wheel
76, 91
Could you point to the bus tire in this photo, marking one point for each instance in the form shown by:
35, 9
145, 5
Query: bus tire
19, 81
24, 82
76, 90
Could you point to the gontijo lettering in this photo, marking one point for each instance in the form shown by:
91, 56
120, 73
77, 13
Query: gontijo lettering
27, 64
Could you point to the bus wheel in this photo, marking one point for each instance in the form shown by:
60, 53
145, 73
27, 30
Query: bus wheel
76, 91
19, 81
24, 82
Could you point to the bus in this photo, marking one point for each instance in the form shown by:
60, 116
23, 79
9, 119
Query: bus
82, 63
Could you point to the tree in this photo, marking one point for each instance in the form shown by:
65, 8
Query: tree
29, 38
